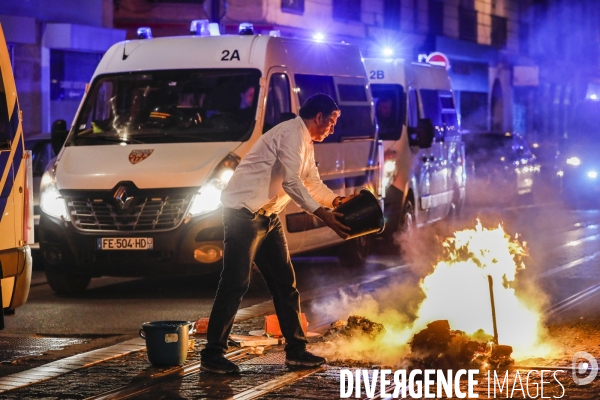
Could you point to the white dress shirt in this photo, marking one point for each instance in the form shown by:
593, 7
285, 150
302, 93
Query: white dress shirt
281, 165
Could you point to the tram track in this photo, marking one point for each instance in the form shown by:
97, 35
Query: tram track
148, 383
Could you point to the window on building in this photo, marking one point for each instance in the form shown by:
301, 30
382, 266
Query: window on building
70, 71
473, 111
293, 6
279, 107
347, 10
524, 38
467, 24
391, 14
436, 17
499, 31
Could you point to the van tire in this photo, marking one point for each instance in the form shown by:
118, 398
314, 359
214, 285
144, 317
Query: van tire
353, 253
456, 205
408, 222
65, 283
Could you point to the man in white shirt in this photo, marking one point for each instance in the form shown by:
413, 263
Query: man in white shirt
281, 166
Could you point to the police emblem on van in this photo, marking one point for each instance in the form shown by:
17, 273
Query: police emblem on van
137, 156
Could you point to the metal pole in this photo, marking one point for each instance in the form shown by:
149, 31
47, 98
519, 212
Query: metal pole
491, 282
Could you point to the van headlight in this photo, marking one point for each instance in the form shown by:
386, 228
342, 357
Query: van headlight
51, 201
389, 168
208, 197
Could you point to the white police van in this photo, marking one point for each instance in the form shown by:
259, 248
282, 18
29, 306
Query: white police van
135, 190
424, 169
16, 196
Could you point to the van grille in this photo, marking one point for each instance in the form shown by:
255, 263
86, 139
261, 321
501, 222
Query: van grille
147, 214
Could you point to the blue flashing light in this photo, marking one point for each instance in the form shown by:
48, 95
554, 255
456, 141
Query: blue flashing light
144, 33
319, 37
199, 27
388, 51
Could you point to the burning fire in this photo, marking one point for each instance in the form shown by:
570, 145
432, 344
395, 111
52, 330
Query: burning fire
458, 291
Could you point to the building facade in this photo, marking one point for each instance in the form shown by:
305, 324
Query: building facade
515, 64
484, 40
55, 47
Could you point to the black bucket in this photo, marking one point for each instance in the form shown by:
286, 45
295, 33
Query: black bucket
166, 341
362, 214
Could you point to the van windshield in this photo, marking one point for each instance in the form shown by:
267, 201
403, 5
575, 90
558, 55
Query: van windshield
170, 106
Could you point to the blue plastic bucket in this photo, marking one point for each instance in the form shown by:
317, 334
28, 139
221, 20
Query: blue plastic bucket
166, 341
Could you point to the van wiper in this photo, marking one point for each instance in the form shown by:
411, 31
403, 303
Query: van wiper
114, 139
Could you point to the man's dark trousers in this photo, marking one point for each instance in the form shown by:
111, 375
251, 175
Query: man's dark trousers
252, 237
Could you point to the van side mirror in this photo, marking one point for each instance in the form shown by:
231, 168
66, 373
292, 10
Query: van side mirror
58, 135
425, 133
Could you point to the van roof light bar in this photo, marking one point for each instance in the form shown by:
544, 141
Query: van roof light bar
199, 27
144, 33
213, 28
246, 28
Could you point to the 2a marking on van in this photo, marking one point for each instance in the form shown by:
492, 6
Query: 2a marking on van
235, 55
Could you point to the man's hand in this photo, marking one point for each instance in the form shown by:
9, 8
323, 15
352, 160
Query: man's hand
331, 220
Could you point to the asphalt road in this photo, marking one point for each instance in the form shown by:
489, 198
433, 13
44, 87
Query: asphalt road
563, 265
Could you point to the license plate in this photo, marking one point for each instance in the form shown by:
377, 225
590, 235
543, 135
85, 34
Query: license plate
125, 243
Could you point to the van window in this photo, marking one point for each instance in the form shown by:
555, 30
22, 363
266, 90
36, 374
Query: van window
357, 111
438, 105
5, 132
356, 119
390, 109
307, 85
278, 101
169, 106
352, 93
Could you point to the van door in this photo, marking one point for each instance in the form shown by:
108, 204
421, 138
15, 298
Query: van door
440, 194
329, 157
278, 109
423, 164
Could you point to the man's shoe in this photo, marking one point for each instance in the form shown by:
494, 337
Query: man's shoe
218, 365
304, 359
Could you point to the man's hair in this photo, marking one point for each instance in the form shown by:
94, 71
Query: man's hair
318, 103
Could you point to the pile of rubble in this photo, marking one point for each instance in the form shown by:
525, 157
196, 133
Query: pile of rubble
435, 347
438, 347
355, 326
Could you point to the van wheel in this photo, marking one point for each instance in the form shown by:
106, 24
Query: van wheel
456, 205
408, 222
65, 283
353, 253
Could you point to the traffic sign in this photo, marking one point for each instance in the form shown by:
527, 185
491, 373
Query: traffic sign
437, 58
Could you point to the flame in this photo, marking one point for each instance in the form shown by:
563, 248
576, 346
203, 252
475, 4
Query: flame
458, 291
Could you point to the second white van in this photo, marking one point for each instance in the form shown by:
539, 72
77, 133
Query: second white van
424, 170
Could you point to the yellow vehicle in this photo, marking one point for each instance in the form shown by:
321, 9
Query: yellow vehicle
16, 196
